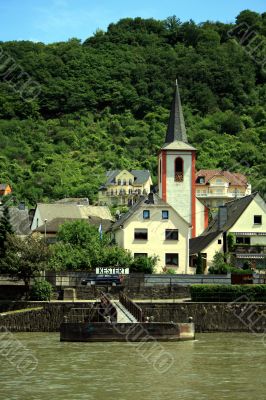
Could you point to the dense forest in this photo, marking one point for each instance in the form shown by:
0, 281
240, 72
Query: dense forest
104, 103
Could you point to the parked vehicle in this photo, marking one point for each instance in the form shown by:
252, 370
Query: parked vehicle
113, 280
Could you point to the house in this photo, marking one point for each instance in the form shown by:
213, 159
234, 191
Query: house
215, 187
153, 227
123, 187
50, 229
177, 171
245, 220
5, 189
47, 212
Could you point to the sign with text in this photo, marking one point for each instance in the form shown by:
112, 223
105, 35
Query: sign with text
112, 271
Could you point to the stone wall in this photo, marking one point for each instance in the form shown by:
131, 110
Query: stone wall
208, 317
48, 319
212, 317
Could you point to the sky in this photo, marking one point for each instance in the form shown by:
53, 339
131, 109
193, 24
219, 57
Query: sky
59, 20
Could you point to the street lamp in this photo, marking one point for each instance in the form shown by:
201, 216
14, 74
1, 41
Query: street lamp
45, 222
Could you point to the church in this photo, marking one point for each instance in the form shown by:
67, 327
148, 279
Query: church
161, 224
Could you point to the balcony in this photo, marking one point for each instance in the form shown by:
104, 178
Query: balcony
249, 249
216, 194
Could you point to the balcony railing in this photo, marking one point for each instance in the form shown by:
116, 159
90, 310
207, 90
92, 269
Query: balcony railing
218, 194
249, 249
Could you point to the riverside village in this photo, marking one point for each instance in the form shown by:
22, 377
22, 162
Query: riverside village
132, 209
196, 235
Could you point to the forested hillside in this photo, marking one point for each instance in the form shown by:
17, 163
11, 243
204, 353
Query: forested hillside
105, 103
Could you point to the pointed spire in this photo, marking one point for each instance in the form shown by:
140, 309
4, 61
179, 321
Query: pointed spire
176, 126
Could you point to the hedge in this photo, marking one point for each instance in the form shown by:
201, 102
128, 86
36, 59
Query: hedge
225, 293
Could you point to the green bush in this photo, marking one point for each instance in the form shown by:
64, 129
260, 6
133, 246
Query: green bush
225, 293
145, 265
41, 291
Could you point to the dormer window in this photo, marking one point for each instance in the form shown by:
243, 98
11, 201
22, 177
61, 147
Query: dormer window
179, 169
201, 180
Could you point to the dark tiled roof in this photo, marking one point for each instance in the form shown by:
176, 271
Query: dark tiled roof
176, 129
19, 220
196, 245
235, 209
141, 176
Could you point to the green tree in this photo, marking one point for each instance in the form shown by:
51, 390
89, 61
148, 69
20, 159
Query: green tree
5, 230
25, 258
199, 264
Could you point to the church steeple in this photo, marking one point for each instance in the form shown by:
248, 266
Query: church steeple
176, 130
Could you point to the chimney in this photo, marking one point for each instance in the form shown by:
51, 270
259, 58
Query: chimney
150, 198
222, 217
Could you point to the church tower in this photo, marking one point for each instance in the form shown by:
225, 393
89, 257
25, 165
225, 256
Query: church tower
176, 170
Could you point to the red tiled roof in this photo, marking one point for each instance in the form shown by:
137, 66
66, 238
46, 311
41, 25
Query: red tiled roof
234, 178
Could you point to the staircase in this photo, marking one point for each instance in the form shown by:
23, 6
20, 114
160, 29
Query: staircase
123, 315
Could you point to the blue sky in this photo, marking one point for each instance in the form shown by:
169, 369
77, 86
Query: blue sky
57, 20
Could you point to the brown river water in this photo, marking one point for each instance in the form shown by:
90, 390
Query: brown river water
36, 366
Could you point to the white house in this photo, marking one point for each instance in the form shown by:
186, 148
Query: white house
153, 228
245, 219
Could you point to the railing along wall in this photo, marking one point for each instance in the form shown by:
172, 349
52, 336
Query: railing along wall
132, 307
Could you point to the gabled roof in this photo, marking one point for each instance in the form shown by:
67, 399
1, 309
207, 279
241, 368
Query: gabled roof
19, 220
72, 210
235, 209
143, 200
176, 130
199, 243
235, 178
141, 176
54, 225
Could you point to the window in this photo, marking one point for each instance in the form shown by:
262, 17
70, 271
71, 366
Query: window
137, 255
179, 173
171, 234
242, 240
160, 171
171, 259
257, 219
141, 234
124, 182
146, 214
130, 182
219, 241
165, 214
119, 182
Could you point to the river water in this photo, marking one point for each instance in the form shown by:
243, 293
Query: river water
214, 367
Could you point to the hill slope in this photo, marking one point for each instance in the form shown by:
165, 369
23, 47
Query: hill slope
105, 103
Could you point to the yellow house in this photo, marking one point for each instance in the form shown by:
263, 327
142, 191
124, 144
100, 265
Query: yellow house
245, 220
214, 187
153, 228
124, 187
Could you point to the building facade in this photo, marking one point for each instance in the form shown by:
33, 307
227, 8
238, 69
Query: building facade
153, 228
124, 188
214, 188
245, 220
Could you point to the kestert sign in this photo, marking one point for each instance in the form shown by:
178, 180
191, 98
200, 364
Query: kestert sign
112, 271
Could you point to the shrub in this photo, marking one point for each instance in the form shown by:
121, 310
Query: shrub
227, 293
41, 291
145, 265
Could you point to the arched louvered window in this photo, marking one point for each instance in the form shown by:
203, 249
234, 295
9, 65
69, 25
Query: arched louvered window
179, 169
